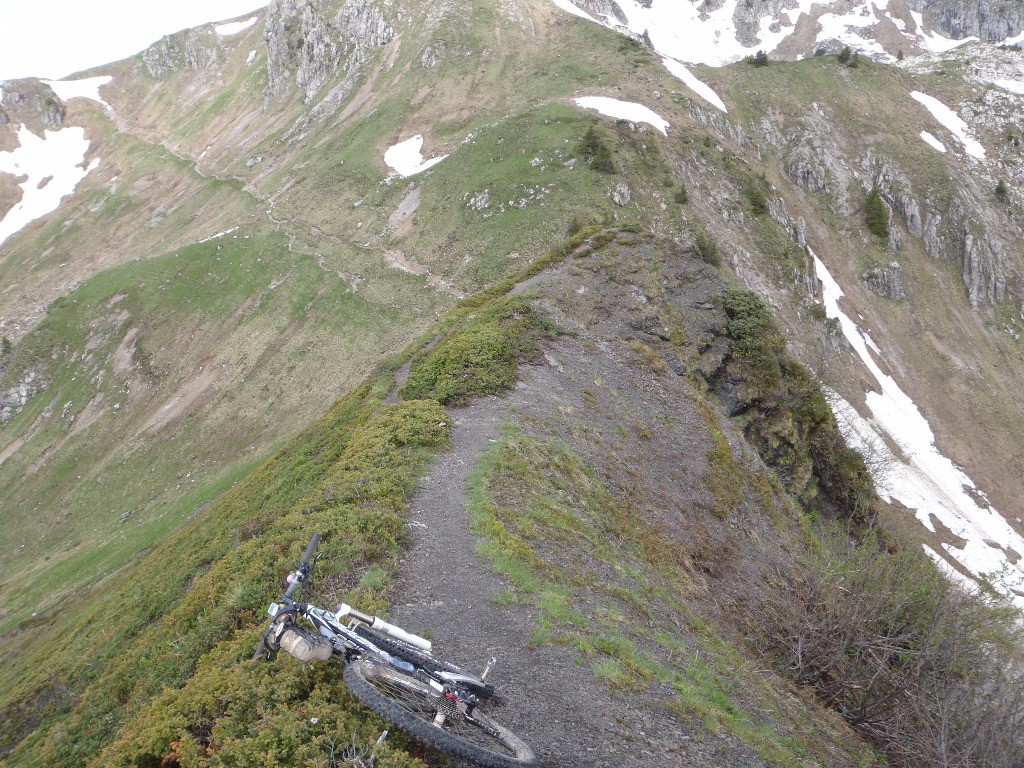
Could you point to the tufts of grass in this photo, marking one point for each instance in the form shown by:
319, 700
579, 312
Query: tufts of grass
480, 358
606, 583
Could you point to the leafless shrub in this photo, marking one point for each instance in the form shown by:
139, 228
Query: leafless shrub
929, 672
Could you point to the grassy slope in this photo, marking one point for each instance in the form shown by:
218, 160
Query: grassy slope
158, 673
234, 324
262, 355
500, 159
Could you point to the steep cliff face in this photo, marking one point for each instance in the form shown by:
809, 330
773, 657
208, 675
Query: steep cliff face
993, 21
31, 103
308, 43
962, 222
194, 49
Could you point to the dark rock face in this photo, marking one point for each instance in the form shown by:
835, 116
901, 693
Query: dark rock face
31, 103
992, 21
886, 281
193, 49
307, 47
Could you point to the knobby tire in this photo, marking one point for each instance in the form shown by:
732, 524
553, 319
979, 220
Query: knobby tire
410, 704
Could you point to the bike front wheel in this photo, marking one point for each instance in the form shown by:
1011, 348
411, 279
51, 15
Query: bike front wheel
416, 708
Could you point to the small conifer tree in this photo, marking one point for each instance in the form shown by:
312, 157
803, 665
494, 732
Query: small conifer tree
1002, 191
759, 59
899, 55
877, 214
844, 55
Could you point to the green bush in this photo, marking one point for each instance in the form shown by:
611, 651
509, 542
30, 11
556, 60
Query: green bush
759, 59
844, 55
596, 150
876, 213
481, 357
681, 196
902, 652
754, 190
1002, 192
707, 247
787, 417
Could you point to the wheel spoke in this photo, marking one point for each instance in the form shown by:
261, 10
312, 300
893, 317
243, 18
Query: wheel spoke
427, 705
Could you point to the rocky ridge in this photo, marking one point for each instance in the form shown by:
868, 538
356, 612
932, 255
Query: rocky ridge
307, 44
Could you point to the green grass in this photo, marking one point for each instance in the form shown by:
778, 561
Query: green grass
606, 583
197, 598
159, 670
258, 318
480, 358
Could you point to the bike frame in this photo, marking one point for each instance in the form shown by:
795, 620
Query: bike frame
351, 645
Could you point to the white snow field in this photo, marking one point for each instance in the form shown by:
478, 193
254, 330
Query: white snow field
53, 165
234, 27
933, 142
685, 30
568, 7
86, 88
1013, 86
405, 158
624, 110
952, 122
921, 478
699, 87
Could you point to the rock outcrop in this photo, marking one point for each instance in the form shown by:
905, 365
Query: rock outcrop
886, 281
307, 46
31, 103
981, 18
194, 49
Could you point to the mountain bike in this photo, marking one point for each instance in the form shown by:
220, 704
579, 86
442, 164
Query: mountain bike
394, 673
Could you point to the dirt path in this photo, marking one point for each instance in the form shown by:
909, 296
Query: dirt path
547, 696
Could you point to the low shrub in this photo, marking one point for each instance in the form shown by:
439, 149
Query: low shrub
480, 358
786, 415
929, 672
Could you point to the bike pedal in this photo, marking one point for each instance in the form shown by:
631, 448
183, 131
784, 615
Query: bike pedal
487, 670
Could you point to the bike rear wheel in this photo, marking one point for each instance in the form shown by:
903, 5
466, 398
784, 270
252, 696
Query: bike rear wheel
413, 706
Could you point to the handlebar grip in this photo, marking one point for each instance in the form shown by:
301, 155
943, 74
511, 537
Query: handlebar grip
303, 571
311, 549
400, 634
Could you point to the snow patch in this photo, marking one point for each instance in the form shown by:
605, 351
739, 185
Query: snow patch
1013, 86
250, 57
841, 27
699, 87
219, 234
405, 158
921, 478
568, 7
53, 165
86, 88
952, 122
933, 41
234, 27
933, 142
624, 110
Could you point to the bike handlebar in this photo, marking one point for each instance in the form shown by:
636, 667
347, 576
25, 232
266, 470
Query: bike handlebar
303, 571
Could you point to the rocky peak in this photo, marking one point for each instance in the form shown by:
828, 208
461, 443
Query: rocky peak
191, 49
308, 43
31, 103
